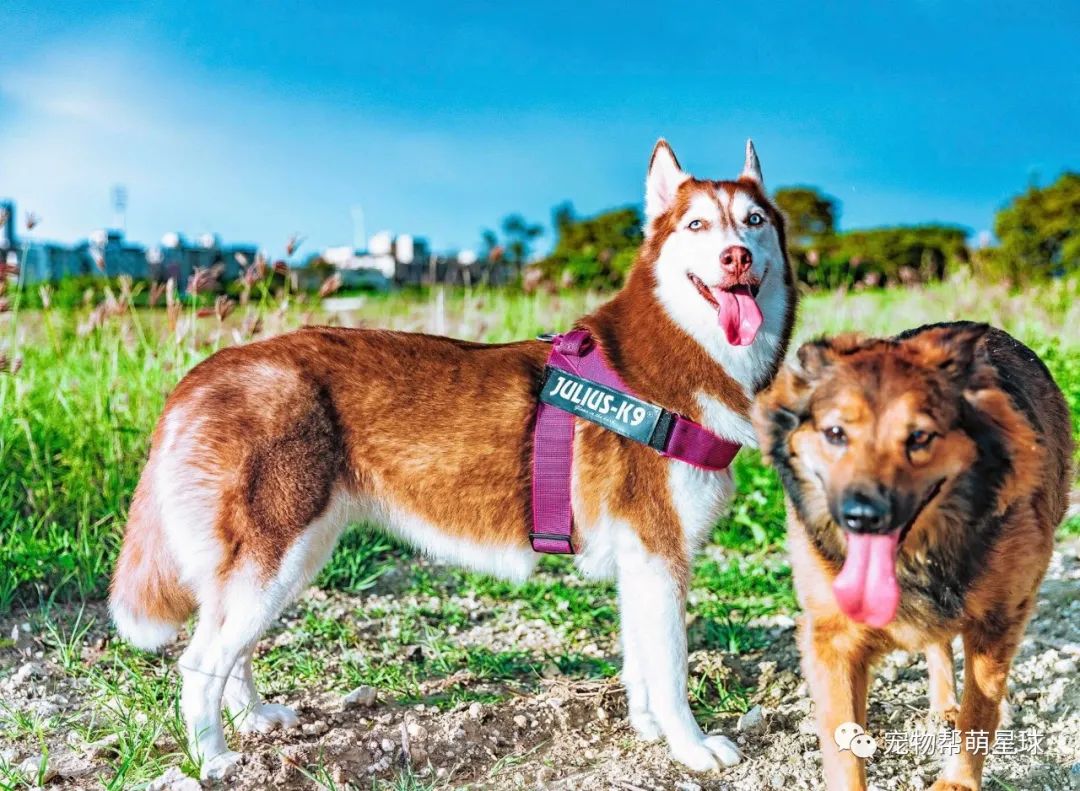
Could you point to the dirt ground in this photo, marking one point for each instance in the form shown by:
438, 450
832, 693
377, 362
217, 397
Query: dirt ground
567, 733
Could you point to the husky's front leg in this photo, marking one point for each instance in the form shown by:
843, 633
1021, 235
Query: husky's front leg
652, 605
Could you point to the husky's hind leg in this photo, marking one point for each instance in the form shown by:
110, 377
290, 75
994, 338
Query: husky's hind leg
246, 710
228, 628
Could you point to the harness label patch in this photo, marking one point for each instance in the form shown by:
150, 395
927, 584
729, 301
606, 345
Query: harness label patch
616, 411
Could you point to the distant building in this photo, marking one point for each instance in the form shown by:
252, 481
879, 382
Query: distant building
46, 261
177, 258
7, 226
408, 260
115, 255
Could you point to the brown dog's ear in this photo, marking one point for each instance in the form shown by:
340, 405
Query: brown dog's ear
784, 405
781, 407
817, 355
954, 349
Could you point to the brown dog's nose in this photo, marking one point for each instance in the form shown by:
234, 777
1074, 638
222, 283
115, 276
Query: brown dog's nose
736, 260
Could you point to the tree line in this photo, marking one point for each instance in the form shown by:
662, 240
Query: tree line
1037, 236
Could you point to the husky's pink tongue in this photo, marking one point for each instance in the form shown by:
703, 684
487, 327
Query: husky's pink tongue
739, 314
866, 588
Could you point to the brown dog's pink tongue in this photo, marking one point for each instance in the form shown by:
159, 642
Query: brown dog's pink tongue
739, 314
866, 588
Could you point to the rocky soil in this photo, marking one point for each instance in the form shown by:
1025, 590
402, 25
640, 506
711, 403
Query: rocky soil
558, 732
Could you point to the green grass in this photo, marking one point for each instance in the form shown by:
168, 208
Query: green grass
75, 423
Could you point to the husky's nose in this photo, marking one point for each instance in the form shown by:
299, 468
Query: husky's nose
863, 512
736, 260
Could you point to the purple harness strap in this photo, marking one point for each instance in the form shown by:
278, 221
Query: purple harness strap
553, 444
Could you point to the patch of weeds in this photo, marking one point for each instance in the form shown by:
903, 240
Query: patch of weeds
66, 642
284, 668
715, 692
406, 780
744, 584
565, 602
363, 554
725, 631
324, 632
757, 517
129, 695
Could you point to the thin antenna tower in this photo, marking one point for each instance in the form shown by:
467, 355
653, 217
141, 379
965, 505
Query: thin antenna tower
119, 204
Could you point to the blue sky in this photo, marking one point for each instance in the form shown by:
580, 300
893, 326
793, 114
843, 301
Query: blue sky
440, 118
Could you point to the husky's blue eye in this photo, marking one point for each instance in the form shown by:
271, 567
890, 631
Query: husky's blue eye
756, 218
696, 225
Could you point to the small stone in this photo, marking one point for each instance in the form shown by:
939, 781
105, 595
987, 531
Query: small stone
174, 780
37, 770
27, 671
520, 721
316, 728
601, 714
21, 638
1053, 696
752, 720
808, 727
475, 711
363, 696
550, 670
917, 783
888, 673
102, 747
417, 731
387, 746
1065, 667
687, 785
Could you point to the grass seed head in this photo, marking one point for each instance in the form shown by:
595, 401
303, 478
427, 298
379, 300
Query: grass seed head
330, 285
293, 244
156, 292
223, 306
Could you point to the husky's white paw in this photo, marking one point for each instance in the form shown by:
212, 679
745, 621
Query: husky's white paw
221, 767
265, 718
708, 755
644, 725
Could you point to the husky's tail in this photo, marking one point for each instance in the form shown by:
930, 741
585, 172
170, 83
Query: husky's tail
147, 600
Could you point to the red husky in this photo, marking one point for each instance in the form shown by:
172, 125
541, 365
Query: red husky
266, 452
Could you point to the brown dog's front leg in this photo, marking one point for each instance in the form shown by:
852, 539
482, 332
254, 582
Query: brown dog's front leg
987, 659
836, 665
942, 692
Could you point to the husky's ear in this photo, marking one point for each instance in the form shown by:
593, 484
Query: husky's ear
752, 167
663, 181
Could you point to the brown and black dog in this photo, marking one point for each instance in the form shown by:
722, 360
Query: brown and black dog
925, 476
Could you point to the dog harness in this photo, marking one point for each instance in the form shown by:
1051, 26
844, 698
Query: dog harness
578, 382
